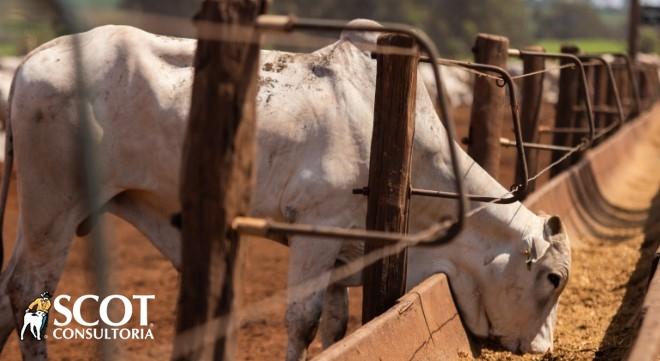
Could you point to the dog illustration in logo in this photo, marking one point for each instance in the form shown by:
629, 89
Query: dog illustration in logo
36, 316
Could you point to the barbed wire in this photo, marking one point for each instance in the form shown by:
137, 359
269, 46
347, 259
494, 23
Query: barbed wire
546, 70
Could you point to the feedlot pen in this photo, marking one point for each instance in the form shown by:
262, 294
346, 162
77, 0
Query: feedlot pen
599, 310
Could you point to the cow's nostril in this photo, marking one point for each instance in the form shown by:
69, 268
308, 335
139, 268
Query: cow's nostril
555, 279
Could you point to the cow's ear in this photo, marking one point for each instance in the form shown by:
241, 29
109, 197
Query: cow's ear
553, 226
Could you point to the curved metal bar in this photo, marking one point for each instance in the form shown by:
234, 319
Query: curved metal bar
583, 80
265, 228
615, 90
435, 234
515, 197
520, 147
633, 80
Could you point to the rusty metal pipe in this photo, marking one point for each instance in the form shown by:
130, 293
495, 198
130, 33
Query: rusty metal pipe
633, 80
265, 228
583, 80
513, 102
471, 197
558, 148
615, 91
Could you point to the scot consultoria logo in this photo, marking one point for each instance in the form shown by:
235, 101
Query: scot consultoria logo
69, 322
36, 316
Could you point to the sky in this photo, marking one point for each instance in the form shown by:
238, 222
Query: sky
619, 3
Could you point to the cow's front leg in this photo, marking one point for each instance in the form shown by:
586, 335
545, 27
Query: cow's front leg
334, 320
310, 264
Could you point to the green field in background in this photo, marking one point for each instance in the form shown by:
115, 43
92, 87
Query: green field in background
550, 45
7, 49
585, 45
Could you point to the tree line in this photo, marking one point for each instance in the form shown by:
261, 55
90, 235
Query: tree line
452, 24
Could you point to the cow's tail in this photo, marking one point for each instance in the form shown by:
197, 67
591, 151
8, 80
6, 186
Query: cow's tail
7, 168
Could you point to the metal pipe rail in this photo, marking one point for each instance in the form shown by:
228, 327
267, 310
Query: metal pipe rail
518, 189
633, 80
545, 129
559, 148
583, 82
615, 91
440, 233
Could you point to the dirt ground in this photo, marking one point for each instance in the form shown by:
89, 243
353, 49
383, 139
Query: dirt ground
605, 286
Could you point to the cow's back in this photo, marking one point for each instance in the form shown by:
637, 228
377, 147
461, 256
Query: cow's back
314, 119
136, 98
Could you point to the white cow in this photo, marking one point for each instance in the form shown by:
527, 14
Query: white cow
33, 320
7, 67
314, 132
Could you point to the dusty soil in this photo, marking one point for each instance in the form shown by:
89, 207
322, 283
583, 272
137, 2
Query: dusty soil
600, 285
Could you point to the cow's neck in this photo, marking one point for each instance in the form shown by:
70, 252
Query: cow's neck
495, 229
494, 221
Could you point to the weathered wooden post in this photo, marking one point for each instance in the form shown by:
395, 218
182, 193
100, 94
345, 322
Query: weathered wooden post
216, 174
642, 73
601, 86
633, 28
532, 98
564, 114
488, 105
621, 79
618, 82
652, 84
389, 171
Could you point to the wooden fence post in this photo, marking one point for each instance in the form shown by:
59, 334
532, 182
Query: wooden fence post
633, 28
611, 101
216, 175
488, 105
532, 98
389, 172
621, 79
602, 85
652, 84
601, 90
565, 115
642, 81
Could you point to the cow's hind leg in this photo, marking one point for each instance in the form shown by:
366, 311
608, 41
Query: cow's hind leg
334, 319
7, 324
310, 264
36, 265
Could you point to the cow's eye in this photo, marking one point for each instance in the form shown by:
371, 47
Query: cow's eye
555, 279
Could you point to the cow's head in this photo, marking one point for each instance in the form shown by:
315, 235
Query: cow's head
511, 295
